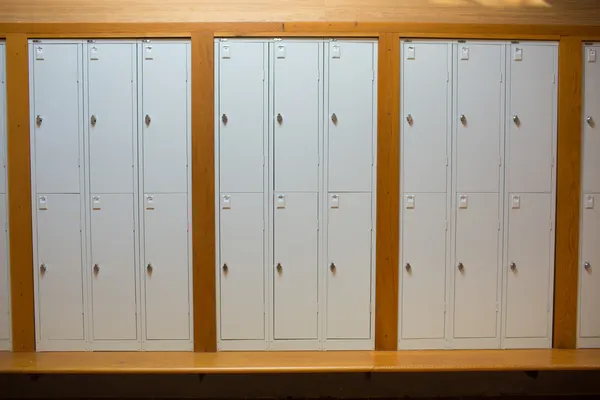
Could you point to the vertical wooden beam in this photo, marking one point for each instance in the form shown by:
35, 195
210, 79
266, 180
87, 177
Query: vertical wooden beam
203, 192
388, 193
19, 193
568, 192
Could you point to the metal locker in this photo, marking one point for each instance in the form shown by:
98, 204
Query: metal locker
295, 273
297, 108
243, 98
591, 124
589, 318
166, 267
478, 108
476, 262
349, 266
531, 112
241, 277
111, 116
425, 92
56, 74
60, 302
112, 267
423, 268
5, 322
165, 116
529, 266
350, 118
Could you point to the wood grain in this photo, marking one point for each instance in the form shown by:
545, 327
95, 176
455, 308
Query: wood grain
388, 193
19, 193
299, 362
568, 192
460, 11
203, 192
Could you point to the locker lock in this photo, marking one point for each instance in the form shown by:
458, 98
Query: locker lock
148, 119
409, 119
39, 120
461, 267
225, 268
96, 268
463, 119
587, 265
332, 267
224, 119
334, 118
279, 267
513, 266
93, 120
149, 268
43, 268
590, 121
516, 119
408, 267
279, 119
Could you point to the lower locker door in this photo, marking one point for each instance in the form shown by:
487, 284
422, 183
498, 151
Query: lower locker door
113, 267
530, 266
4, 285
241, 245
349, 267
476, 266
166, 267
589, 324
423, 268
60, 284
295, 274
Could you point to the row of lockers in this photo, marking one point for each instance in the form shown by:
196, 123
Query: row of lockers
110, 155
5, 325
478, 194
295, 172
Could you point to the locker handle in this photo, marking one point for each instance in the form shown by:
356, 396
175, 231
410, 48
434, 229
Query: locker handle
225, 268
96, 268
463, 119
516, 119
93, 120
408, 267
149, 268
590, 121
409, 119
279, 118
513, 266
334, 118
461, 267
279, 267
39, 120
332, 267
43, 268
148, 119
587, 266
224, 119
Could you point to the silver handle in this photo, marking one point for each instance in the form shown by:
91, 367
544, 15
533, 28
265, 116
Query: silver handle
279, 267
148, 119
334, 118
279, 118
516, 119
461, 267
149, 268
590, 120
513, 266
225, 268
332, 267
463, 119
43, 268
93, 120
408, 267
587, 265
96, 268
39, 120
224, 119
409, 119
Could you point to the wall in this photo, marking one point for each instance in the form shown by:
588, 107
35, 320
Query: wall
571, 12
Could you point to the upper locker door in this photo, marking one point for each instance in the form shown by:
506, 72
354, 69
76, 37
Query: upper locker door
57, 115
351, 115
349, 266
295, 275
591, 124
531, 111
242, 100
3, 125
4, 284
165, 116
297, 105
425, 128
111, 116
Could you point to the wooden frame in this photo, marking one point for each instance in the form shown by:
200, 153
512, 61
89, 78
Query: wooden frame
203, 219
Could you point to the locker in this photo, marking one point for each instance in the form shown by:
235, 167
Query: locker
2, 121
349, 266
59, 269
591, 124
426, 107
351, 115
478, 109
296, 107
476, 263
166, 270
241, 242
165, 118
111, 116
423, 269
589, 319
242, 104
4, 281
529, 269
531, 117
113, 265
57, 113
295, 273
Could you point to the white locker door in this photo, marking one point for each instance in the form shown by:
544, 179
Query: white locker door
4, 283
242, 280
297, 105
478, 112
60, 281
242, 100
531, 117
591, 125
165, 116
425, 127
529, 266
589, 321
57, 115
113, 267
111, 116
349, 266
3, 125
476, 266
167, 267
423, 269
295, 270
350, 116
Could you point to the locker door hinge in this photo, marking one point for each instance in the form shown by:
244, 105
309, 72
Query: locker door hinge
264, 75
553, 78
318, 75
373, 76
497, 306
264, 225
500, 161
79, 161
372, 160
551, 225
447, 76
446, 225
501, 77
133, 225
553, 162
445, 308
318, 159
447, 161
